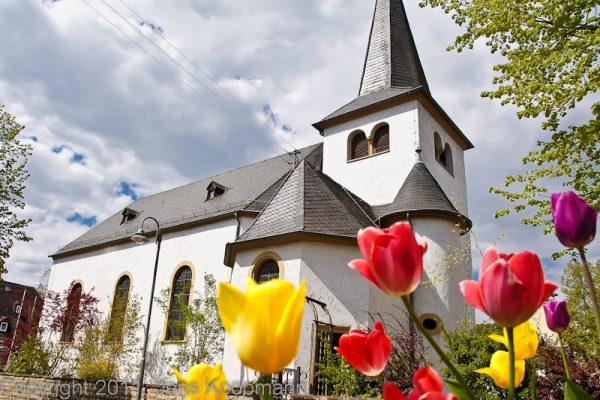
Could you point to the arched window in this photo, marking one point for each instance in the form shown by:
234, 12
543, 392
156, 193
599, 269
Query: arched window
448, 158
381, 139
439, 150
359, 147
71, 315
443, 154
119, 308
180, 299
266, 271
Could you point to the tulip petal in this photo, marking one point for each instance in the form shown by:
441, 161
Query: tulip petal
391, 392
231, 302
287, 335
503, 295
528, 269
178, 375
366, 240
489, 257
352, 348
396, 265
427, 380
499, 338
547, 290
364, 269
378, 349
472, 295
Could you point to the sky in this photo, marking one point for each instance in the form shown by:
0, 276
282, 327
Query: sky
112, 118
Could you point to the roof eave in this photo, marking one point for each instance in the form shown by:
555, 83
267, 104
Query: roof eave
462, 221
232, 248
121, 240
412, 94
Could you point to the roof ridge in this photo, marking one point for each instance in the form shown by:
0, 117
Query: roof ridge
289, 174
212, 177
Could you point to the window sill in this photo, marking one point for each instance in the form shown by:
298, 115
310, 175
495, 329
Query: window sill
365, 157
165, 342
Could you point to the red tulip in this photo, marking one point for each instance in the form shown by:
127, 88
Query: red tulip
428, 386
368, 353
393, 260
511, 287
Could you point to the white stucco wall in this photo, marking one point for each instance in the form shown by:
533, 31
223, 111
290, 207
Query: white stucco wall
454, 184
202, 248
445, 265
378, 178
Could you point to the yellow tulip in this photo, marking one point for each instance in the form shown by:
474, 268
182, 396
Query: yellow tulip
203, 382
263, 323
525, 339
499, 370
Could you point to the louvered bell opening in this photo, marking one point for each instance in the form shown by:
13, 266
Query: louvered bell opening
360, 147
381, 140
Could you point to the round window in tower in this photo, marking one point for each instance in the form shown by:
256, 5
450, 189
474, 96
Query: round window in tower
432, 323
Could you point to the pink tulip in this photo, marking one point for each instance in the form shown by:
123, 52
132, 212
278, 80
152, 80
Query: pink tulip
511, 287
393, 260
368, 353
428, 386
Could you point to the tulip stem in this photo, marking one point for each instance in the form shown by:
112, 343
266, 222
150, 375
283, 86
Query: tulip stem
436, 347
564, 357
511, 363
591, 288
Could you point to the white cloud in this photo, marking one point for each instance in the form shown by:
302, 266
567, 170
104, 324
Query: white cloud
75, 81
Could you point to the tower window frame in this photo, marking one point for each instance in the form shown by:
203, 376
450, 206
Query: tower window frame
443, 153
377, 143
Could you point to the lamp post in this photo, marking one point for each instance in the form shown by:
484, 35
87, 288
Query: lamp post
140, 238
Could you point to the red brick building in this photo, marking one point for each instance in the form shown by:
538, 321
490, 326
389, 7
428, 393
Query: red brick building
20, 311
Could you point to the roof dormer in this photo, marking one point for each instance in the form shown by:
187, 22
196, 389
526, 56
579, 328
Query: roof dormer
129, 214
214, 189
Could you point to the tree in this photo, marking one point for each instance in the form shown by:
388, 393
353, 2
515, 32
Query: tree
200, 323
13, 159
582, 330
108, 349
551, 49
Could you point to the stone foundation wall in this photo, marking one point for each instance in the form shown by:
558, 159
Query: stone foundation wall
17, 387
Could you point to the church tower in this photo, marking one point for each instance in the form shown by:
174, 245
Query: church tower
395, 147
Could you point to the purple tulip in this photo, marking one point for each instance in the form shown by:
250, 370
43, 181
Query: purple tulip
574, 219
557, 316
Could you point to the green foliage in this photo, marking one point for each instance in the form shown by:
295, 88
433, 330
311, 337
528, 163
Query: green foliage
108, 349
469, 348
204, 333
13, 159
582, 330
551, 51
343, 379
33, 358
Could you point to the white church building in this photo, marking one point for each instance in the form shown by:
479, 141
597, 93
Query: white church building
391, 154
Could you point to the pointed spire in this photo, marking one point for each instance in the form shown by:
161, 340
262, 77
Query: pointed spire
391, 60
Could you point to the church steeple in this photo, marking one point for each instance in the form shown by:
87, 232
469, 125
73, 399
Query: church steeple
391, 60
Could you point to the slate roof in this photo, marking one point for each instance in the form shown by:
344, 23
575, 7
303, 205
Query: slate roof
392, 68
310, 201
247, 188
420, 192
392, 59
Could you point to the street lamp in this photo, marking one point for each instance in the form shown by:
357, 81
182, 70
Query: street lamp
140, 238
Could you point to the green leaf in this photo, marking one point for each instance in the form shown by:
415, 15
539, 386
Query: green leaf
457, 389
532, 382
574, 392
